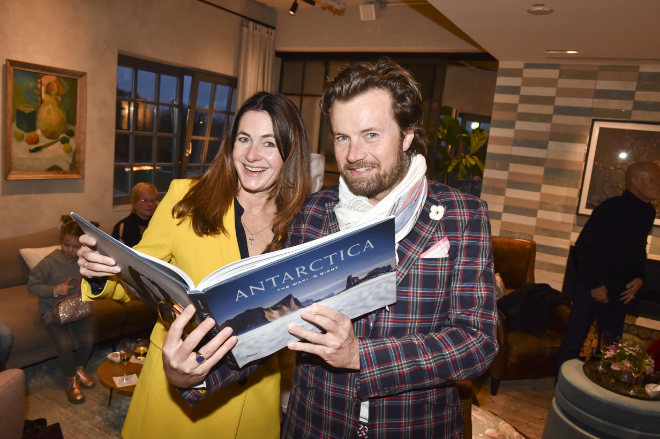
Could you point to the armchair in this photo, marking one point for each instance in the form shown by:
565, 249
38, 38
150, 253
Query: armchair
521, 354
12, 403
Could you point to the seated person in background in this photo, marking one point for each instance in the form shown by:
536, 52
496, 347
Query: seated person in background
56, 276
144, 199
6, 338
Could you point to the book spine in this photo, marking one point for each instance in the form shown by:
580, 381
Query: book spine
203, 311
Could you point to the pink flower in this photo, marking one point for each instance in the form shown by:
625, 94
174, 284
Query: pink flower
616, 366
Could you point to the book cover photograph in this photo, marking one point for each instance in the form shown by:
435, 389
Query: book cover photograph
352, 271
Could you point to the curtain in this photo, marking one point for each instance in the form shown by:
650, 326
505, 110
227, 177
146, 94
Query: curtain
256, 60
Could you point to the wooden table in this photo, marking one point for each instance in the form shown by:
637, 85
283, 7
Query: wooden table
109, 369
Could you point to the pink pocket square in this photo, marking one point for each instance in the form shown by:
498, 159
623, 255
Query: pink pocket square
438, 250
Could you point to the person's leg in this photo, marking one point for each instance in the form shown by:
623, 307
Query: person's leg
82, 330
611, 318
6, 338
64, 344
579, 321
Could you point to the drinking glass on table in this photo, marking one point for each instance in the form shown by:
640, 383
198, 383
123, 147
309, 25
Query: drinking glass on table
141, 346
125, 353
636, 370
604, 342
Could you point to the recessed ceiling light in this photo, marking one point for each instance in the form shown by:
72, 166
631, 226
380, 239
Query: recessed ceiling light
561, 52
539, 9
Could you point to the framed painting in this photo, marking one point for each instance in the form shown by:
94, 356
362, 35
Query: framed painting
613, 146
44, 122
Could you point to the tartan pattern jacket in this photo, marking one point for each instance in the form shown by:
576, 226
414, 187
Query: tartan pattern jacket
441, 329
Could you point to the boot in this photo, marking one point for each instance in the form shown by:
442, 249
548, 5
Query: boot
84, 379
73, 391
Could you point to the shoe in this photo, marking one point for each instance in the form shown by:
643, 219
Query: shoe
86, 380
73, 391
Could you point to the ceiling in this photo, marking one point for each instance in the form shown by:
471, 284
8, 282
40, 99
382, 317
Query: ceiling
603, 31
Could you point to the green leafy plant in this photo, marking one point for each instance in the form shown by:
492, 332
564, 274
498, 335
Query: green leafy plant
460, 151
625, 355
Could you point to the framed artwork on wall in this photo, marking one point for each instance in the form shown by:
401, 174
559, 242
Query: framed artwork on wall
44, 122
613, 146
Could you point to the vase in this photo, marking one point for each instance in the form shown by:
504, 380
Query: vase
51, 118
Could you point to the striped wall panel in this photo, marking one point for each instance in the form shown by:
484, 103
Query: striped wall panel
538, 142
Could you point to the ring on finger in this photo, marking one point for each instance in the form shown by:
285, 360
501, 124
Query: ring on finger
199, 357
86, 267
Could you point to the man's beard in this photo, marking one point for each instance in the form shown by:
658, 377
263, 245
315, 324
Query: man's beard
384, 180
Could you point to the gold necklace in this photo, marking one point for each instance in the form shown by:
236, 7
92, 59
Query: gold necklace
250, 234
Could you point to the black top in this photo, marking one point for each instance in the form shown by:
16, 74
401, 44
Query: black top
240, 230
611, 249
134, 227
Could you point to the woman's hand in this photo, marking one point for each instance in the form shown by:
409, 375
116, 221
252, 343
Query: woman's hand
91, 262
184, 367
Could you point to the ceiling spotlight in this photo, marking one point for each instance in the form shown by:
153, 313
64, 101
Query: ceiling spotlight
294, 7
539, 9
561, 52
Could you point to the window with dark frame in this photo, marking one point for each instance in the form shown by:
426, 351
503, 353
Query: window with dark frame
170, 123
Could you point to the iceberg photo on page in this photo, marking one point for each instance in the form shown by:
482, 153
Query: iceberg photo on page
355, 275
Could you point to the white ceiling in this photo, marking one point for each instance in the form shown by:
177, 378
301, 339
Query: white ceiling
603, 31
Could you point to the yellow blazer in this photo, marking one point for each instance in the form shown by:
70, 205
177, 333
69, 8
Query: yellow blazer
250, 410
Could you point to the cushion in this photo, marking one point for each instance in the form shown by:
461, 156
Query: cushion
32, 256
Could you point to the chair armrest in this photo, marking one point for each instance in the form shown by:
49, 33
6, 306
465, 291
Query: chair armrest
559, 319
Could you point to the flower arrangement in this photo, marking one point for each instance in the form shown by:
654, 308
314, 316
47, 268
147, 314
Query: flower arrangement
626, 355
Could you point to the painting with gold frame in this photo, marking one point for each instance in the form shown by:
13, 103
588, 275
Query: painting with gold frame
613, 146
44, 122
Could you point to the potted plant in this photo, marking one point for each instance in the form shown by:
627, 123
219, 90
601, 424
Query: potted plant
461, 153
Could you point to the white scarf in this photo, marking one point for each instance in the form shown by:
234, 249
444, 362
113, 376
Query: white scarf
405, 202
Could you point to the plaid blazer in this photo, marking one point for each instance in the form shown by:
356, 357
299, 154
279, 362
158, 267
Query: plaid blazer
441, 329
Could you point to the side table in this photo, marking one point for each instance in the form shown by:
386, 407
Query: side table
109, 369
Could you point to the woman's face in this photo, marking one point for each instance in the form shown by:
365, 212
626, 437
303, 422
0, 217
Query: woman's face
146, 205
256, 157
70, 246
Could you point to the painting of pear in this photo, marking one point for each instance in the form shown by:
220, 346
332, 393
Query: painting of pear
51, 118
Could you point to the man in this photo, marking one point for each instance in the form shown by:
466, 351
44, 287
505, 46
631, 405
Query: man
610, 255
391, 373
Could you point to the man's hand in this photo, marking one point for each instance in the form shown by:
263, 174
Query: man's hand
339, 346
600, 294
632, 288
184, 367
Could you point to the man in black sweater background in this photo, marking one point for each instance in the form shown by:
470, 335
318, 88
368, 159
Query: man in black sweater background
610, 256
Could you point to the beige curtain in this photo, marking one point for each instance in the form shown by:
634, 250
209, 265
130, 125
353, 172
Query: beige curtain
256, 60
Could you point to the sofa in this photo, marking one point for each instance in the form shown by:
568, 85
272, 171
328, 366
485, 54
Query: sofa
18, 308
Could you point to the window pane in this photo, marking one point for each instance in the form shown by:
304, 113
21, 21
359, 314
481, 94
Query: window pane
201, 123
144, 117
124, 82
146, 85
166, 147
221, 95
166, 122
187, 81
144, 150
168, 89
204, 94
214, 147
122, 115
162, 178
122, 181
218, 125
233, 100
122, 148
314, 77
197, 151
194, 171
143, 176
292, 74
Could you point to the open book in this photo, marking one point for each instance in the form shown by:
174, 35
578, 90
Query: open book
353, 271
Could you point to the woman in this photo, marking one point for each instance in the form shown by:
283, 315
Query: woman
57, 276
144, 199
241, 206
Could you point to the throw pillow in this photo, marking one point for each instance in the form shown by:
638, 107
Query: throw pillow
32, 256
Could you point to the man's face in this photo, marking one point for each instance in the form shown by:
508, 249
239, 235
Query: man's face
648, 184
369, 146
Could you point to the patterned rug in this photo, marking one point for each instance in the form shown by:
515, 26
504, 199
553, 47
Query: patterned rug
92, 419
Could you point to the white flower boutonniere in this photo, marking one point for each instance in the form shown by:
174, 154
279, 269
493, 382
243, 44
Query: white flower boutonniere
437, 212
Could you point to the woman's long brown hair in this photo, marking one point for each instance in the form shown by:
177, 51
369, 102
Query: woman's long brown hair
212, 193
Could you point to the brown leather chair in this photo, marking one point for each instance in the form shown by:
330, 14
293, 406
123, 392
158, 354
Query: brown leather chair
521, 354
12, 403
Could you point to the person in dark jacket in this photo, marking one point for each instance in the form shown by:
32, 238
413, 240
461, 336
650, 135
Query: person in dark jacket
610, 256
144, 200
